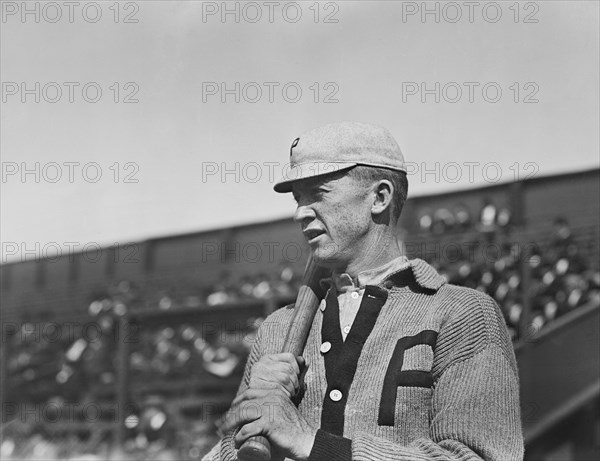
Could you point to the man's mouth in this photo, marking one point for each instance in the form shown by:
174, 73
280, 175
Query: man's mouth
312, 234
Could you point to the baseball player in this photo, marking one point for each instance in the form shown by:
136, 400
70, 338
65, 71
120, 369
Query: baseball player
399, 364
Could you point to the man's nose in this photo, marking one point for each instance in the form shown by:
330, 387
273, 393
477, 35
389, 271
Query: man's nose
302, 213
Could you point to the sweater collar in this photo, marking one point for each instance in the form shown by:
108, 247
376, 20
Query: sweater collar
425, 275
376, 276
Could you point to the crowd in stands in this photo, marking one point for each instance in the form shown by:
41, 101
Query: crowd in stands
561, 274
554, 275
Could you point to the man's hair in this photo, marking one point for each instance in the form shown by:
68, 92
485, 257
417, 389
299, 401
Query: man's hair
367, 175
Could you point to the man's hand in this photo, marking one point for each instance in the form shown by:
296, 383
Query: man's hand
265, 408
271, 413
277, 371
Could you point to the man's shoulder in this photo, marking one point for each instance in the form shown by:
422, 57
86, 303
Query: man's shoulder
466, 295
472, 320
467, 306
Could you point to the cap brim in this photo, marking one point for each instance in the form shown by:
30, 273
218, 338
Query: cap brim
309, 170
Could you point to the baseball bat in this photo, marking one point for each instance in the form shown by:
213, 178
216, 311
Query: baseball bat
309, 297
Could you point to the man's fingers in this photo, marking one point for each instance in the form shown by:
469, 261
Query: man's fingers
282, 369
289, 382
246, 395
290, 388
250, 405
256, 394
260, 383
268, 369
247, 431
241, 414
286, 357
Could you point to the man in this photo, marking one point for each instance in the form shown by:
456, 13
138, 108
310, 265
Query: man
399, 365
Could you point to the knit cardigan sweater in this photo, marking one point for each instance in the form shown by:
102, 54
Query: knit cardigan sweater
427, 372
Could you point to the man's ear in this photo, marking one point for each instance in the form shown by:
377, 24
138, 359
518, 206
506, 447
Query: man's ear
383, 191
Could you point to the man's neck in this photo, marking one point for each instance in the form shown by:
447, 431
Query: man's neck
381, 248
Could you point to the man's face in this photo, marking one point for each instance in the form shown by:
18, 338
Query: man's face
334, 212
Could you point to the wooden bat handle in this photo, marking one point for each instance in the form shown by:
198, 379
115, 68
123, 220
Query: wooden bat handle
257, 448
309, 297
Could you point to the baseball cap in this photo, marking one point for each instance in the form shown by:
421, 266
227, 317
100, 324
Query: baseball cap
337, 147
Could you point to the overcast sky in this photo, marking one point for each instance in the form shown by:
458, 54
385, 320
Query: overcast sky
474, 94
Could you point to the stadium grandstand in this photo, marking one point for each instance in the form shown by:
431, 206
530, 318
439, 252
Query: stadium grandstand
136, 351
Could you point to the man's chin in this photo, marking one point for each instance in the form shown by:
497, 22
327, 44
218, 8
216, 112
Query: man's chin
325, 257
